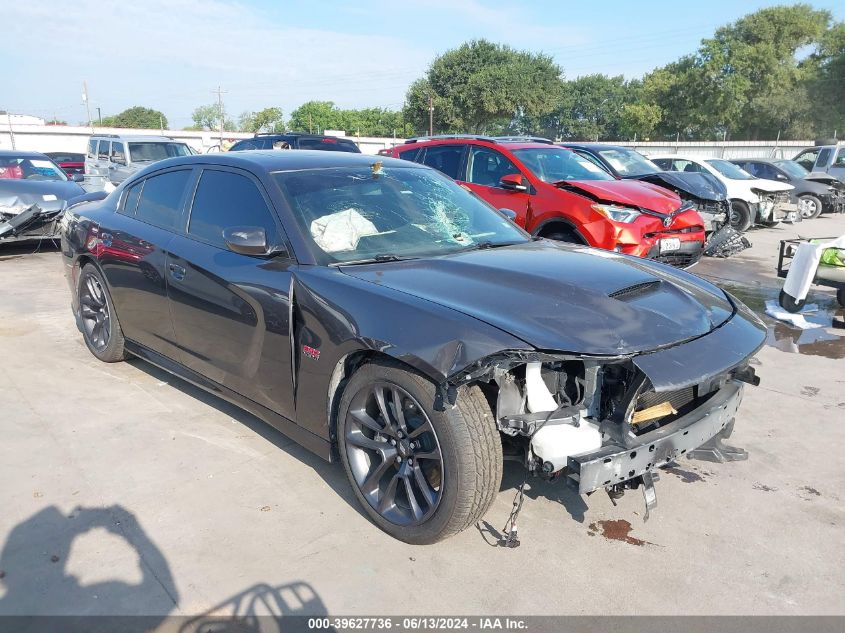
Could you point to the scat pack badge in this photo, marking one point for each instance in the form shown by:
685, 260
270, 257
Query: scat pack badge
311, 352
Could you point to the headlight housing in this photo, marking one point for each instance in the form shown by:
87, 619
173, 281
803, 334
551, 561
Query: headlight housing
617, 214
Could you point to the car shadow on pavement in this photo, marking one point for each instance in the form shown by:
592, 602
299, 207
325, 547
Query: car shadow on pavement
332, 473
35, 576
16, 250
573, 503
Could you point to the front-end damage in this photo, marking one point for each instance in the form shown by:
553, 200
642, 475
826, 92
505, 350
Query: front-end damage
28, 222
775, 206
610, 422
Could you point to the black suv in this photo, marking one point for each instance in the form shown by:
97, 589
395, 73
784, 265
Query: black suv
297, 140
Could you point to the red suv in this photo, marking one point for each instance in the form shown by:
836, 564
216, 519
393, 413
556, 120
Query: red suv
559, 194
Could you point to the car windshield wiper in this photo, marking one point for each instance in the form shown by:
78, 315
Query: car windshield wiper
479, 246
381, 257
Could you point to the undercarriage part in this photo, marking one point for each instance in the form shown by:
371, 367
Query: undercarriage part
715, 450
646, 481
725, 242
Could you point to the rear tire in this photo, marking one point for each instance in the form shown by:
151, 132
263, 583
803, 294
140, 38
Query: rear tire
98, 318
740, 216
788, 303
811, 207
464, 476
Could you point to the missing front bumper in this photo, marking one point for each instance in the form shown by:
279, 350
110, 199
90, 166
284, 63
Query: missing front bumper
614, 464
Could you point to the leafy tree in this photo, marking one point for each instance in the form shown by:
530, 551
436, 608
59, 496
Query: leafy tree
56, 122
482, 87
316, 116
266, 120
826, 89
137, 117
208, 118
639, 120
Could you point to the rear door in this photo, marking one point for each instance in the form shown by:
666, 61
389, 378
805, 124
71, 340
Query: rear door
102, 161
135, 257
447, 158
91, 157
231, 311
482, 173
118, 168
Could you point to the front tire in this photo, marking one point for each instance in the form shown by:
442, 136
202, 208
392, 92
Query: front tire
809, 206
740, 216
100, 327
420, 474
789, 303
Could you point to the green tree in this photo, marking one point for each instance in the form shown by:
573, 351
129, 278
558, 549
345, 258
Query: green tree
744, 82
316, 116
826, 88
208, 118
483, 87
266, 120
137, 117
639, 120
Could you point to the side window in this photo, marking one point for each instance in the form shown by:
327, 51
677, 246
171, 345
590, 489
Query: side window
412, 154
487, 166
755, 169
224, 199
161, 199
103, 153
807, 158
824, 157
445, 158
663, 163
130, 200
117, 151
92, 148
840, 159
688, 166
250, 144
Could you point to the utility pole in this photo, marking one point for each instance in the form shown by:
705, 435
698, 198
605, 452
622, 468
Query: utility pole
11, 133
310, 131
219, 92
87, 105
431, 115
99, 116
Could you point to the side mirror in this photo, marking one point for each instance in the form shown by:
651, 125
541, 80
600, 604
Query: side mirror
246, 240
510, 214
77, 178
513, 182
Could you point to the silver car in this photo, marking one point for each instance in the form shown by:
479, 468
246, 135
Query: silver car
115, 157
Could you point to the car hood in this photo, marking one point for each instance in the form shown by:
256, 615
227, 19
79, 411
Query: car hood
20, 194
770, 186
694, 184
632, 193
563, 297
824, 179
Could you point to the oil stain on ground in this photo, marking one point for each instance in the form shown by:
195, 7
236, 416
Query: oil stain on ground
687, 476
618, 530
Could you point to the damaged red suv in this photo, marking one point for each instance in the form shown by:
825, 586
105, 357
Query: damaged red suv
559, 194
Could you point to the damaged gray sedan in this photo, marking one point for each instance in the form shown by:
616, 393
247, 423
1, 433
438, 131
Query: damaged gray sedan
33, 193
379, 313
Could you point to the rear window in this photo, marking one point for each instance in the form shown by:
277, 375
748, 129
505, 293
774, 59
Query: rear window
328, 144
92, 148
103, 152
444, 158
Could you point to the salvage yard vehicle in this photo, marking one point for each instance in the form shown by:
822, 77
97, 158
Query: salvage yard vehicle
753, 200
115, 157
825, 157
296, 140
30, 179
814, 193
70, 162
381, 314
556, 193
701, 189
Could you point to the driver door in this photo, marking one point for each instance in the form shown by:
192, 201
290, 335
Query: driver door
231, 311
484, 170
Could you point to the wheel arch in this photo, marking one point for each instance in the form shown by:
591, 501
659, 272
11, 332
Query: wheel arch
547, 226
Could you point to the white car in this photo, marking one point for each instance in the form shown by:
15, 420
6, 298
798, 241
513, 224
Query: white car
753, 200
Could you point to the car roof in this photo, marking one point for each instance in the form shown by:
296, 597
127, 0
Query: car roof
274, 160
760, 160
135, 137
296, 134
13, 153
596, 147
510, 143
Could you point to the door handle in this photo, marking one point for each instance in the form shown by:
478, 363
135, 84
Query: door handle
177, 272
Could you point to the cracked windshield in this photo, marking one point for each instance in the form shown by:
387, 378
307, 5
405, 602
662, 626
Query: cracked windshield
376, 214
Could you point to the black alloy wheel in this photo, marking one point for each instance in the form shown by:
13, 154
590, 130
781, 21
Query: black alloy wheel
394, 454
94, 310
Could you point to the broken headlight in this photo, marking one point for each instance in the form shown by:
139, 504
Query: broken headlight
617, 214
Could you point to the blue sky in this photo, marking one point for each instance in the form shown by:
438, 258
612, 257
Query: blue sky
170, 54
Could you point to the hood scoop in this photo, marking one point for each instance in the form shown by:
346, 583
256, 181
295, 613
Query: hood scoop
637, 290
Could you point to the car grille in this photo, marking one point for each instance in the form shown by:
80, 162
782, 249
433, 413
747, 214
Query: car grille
678, 259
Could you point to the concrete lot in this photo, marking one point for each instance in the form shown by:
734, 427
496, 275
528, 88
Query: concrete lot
124, 490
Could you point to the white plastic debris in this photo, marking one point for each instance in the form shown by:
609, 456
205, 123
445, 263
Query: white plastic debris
797, 319
341, 231
802, 270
